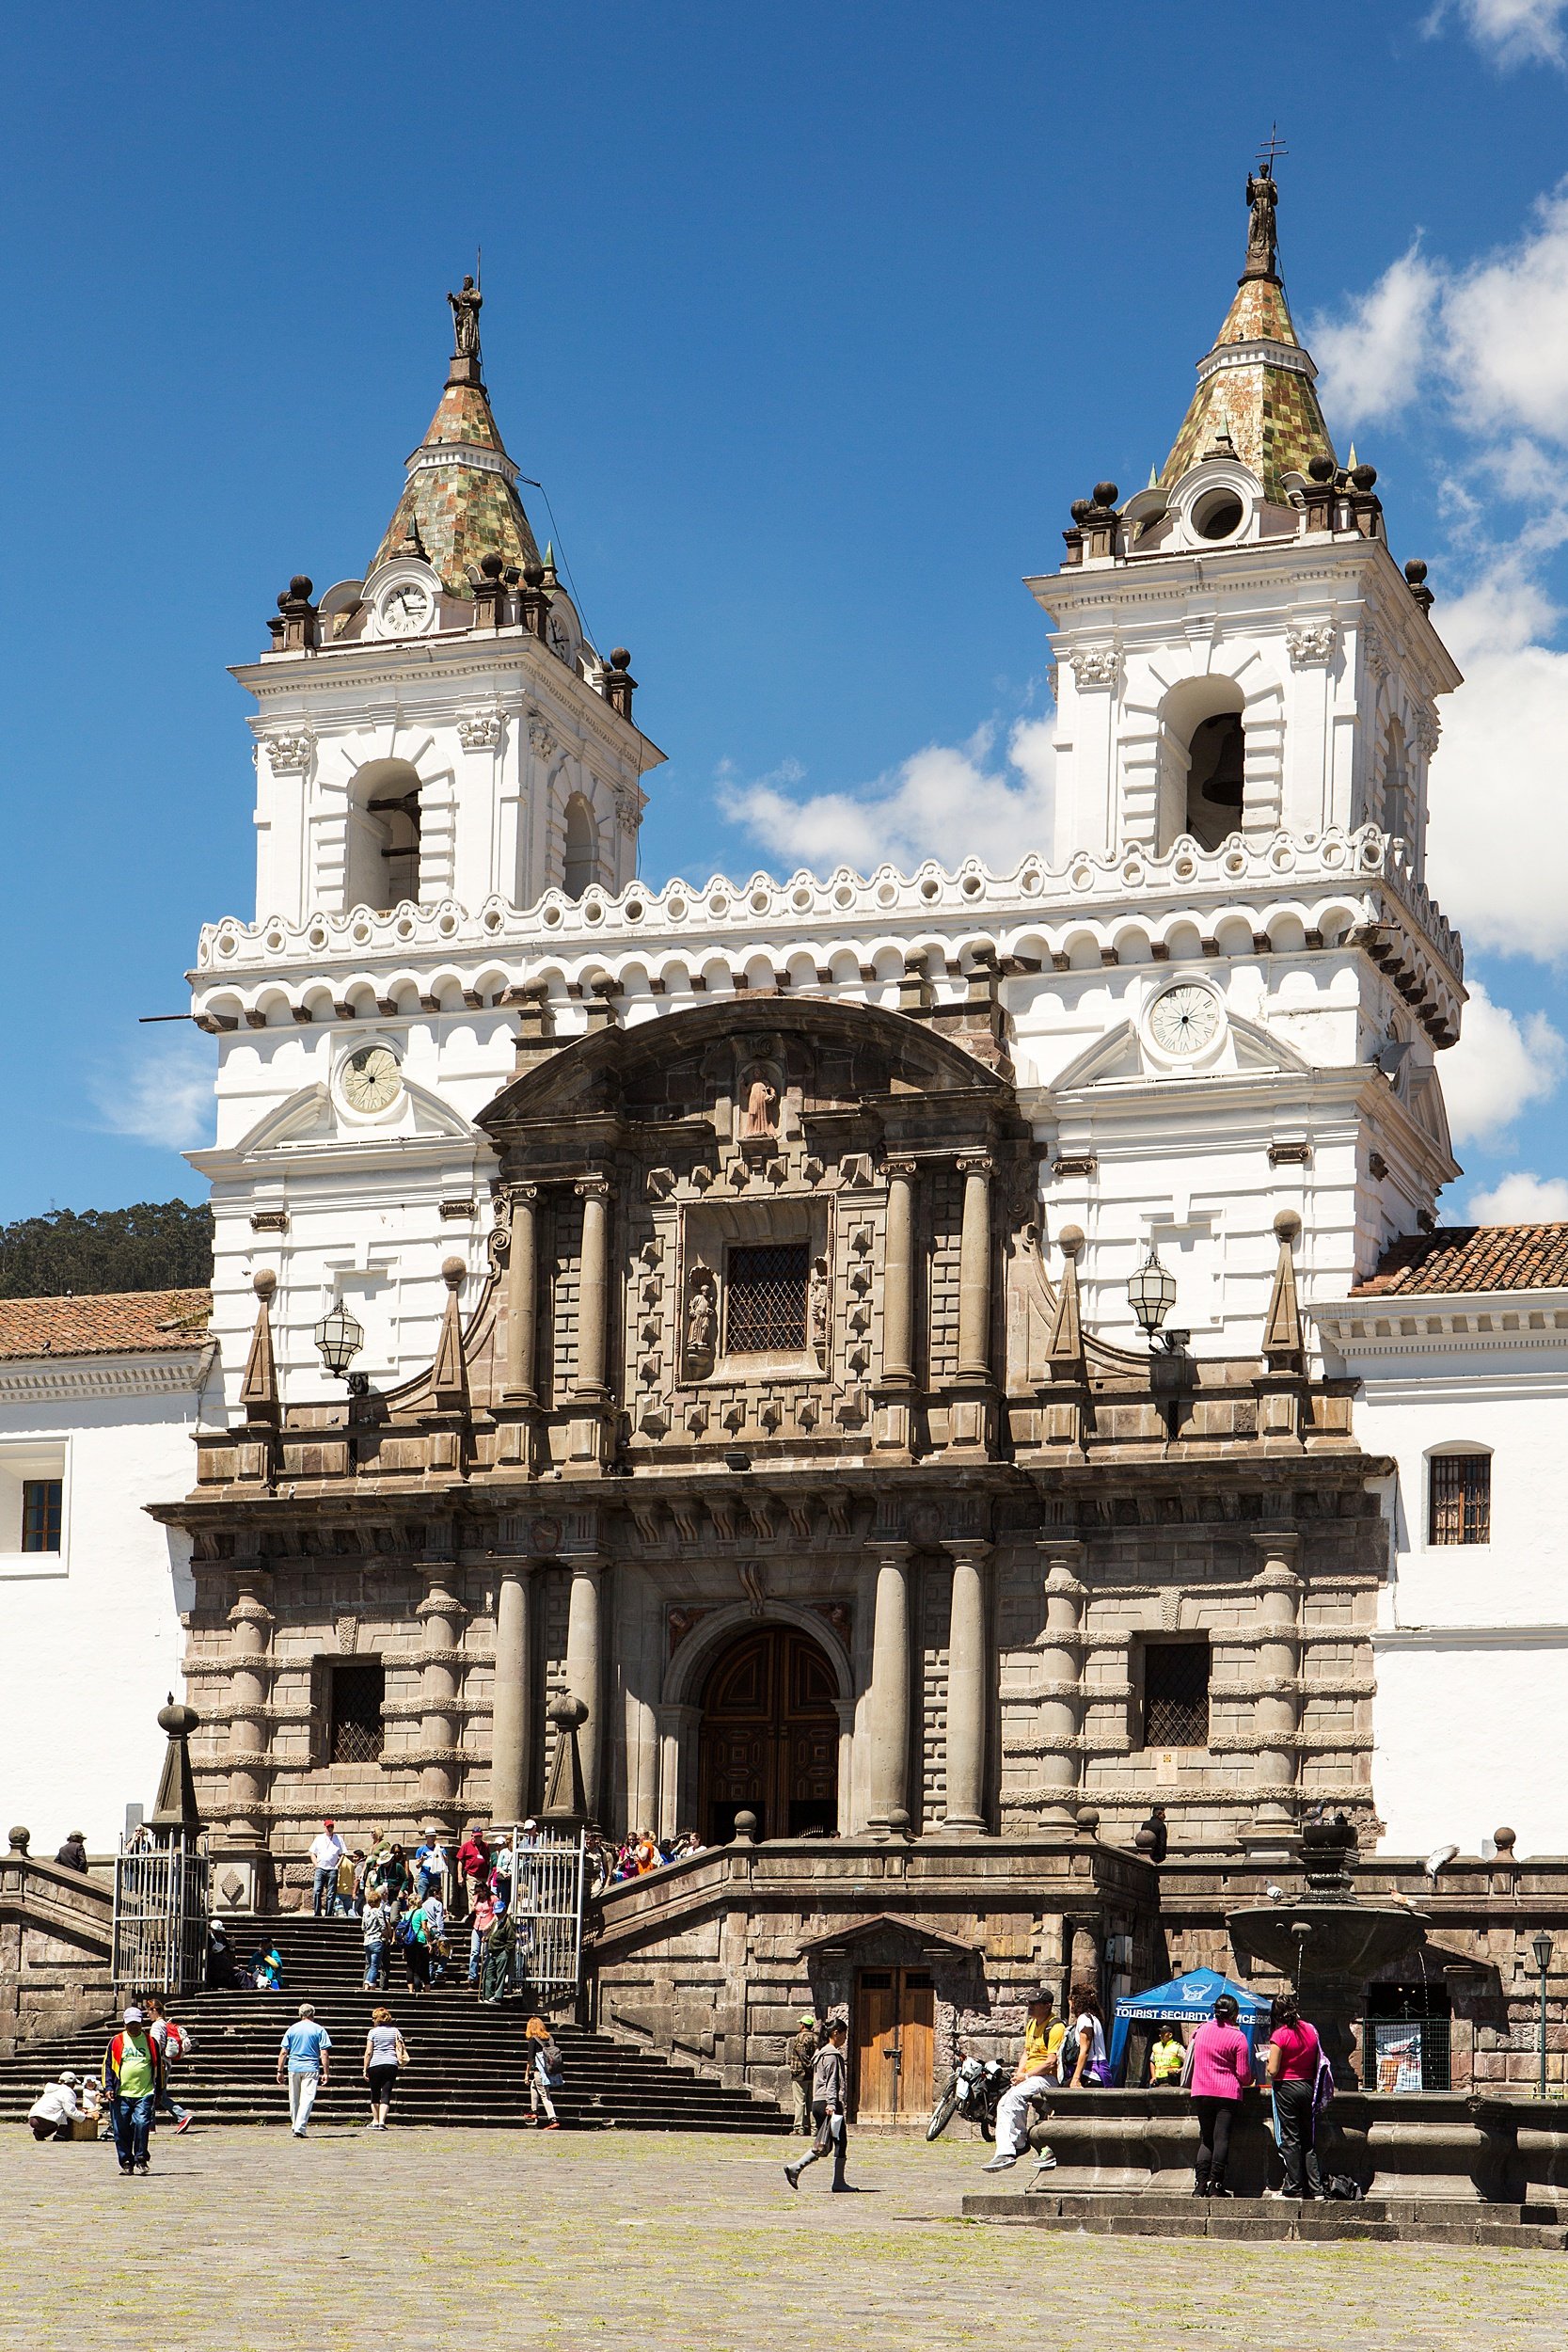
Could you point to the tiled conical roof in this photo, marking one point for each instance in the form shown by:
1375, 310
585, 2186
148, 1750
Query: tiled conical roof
461, 495
1256, 385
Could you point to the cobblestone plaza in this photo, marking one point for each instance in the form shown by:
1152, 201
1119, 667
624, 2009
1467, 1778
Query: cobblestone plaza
250, 2240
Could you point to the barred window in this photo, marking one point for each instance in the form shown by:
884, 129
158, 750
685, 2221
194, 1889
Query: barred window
1175, 1694
1461, 1499
41, 1514
356, 1689
765, 1308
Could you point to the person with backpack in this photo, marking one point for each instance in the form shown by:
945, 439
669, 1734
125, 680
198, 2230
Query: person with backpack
1295, 2060
1218, 2068
132, 2077
174, 2044
500, 1947
413, 1935
375, 1928
1038, 2068
805, 2045
829, 2082
547, 2073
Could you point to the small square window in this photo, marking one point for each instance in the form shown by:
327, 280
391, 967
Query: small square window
1460, 1504
766, 1299
41, 1514
1175, 1694
357, 1689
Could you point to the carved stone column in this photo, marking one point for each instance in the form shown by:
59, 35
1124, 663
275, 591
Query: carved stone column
888, 1715
441, 1615
898, 1278
975, 1269
1276, 1708
522, 1305
594, 1291
969, 1687
512, 1738
1061, 1685
585, 1668
250, 1623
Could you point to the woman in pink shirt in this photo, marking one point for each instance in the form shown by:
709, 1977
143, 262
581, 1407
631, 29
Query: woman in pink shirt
1295, 2058
1221, 2070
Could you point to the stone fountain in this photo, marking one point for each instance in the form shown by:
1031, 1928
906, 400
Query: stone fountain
1328, 1942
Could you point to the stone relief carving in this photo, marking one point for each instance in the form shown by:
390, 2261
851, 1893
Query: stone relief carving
702, 1324
1311, 643
289, 753
1095, 665
541, 736
627, 815
817, 1309
481, 731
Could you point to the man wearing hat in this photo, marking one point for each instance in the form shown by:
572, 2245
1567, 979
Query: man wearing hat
55, 2109
1042, 2039
132, 2077
804, 2047
326, 1851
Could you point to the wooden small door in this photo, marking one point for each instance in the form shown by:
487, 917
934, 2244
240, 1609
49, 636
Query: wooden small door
895, 2044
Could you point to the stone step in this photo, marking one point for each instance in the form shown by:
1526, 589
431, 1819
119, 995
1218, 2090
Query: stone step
1411, 2221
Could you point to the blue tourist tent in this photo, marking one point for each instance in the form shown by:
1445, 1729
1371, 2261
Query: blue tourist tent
1185, 2001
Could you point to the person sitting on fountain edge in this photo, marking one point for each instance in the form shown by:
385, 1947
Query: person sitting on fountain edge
1043, 2036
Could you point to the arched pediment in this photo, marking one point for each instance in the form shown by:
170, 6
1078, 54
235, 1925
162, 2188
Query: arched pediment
1122, 1058
310, 1121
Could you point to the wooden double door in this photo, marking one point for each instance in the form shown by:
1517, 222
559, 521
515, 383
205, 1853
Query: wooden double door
768, 1741
896, 2017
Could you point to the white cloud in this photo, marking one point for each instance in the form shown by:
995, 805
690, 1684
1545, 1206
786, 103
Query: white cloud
947, 801
1522, 1200
1373, 360
1497, 856
1517, 32
1499, 1067
162, 1094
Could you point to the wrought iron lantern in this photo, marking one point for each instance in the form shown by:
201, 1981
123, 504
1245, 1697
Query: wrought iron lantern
338, 1338
1152, 1291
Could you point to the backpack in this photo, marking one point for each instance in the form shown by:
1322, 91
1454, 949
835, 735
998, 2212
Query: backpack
1343, 2188
407, 1931
177, 2043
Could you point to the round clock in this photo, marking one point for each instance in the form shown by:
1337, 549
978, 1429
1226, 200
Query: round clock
1185, 1019
370, 1078
561, 642
406, 608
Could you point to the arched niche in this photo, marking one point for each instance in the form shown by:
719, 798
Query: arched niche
1202, 761
381, 852
580, 848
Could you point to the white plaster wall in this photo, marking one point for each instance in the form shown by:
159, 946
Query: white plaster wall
1470, 1735
92, 1637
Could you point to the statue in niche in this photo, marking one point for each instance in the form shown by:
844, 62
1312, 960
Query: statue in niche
701, 1325
816, 1307
760, 1116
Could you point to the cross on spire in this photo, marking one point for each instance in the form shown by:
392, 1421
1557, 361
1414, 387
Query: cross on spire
1268, 148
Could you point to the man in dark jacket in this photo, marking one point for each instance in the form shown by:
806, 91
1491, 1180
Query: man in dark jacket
73, 1853
830, 2084
804, 2047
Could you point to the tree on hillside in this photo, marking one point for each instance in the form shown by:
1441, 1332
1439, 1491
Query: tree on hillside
155, 1246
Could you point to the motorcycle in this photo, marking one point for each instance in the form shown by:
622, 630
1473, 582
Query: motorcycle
971, 2089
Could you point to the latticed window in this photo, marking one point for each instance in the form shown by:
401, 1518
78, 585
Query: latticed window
1175, 1694
1460, 1509
41, 1514
356, 1689
766, 1314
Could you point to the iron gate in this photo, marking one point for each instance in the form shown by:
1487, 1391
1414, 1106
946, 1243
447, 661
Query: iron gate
160, 1916
547, 1874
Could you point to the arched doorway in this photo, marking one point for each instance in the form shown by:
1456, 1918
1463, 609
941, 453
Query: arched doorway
769, 1742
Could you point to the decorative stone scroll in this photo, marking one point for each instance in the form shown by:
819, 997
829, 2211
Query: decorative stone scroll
1311, 643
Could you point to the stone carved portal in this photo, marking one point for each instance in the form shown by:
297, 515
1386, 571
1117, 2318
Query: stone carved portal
768, 1741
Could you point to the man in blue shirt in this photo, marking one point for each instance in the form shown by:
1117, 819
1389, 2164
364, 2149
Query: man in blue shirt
302, 2051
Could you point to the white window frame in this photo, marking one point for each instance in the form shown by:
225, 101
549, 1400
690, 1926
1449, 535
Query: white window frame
38, 1455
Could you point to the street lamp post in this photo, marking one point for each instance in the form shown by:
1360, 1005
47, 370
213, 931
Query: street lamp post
1541, 1945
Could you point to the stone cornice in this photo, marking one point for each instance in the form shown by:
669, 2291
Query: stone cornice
81, 1379
1407, 1323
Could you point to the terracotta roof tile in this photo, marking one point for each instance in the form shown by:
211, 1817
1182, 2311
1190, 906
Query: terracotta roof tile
1472, 1258
114, 1323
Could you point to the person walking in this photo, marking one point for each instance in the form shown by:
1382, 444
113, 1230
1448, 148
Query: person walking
303, 2054
481, 1920
1167, 2059
1221, 2070
326, 1851
56, 2108
1294, 2056
829, 2082
547, 2073
132, 2077
414, 1935
473, 1866
1084, 2063
375, 1928
499, 1946
1031, 2084
386, 2056
805, 2045
172, 2043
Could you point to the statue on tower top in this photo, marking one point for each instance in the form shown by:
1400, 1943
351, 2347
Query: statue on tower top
465, 320
1262, 252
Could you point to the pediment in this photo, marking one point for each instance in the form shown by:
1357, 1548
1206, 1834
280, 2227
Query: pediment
1428, 1110
1120, 1058
311, 1122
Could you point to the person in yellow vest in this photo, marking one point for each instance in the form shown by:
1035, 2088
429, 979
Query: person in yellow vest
1043, 2036
1167, 2059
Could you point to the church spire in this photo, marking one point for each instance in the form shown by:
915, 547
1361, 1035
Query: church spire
1256, 383
460, 502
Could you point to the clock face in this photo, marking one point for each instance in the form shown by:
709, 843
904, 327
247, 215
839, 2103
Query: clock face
372, 1078
406, 609
1185, 1019
561, 642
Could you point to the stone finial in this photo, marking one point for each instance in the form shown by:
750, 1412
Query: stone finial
1065, 1344
898, 1822
298, 628
175, 1807
745, 1830
449, 1376
1504, 1840
619, 685
19, 1839
1144, 1842
1283, 1343
566, 1804
259, 1396
1087, 1821
490, 591
1416, 578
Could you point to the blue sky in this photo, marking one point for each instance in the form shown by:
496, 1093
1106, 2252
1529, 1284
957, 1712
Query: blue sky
812, 320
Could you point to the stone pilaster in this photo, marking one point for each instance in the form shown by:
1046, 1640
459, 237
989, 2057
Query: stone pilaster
975, 1268
522, 1304
512, 1734
250, 1623
898, 1278
1276, 1705
969, 1680
1061, 1685
594, 1291
888, 1715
